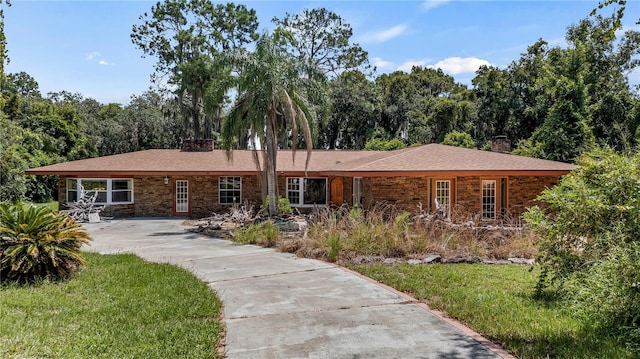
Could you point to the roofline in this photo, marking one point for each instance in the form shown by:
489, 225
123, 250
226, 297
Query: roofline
461, 173
297, 173
108, 174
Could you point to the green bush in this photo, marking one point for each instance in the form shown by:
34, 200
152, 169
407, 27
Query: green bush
402, 220
37, 243
284, 207
333, 247
589, 242
263, 234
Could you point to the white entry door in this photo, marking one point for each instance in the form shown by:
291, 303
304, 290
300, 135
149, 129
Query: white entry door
182, 196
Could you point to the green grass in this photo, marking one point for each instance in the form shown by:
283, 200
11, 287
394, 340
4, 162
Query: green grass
53, 205
498, 302
118, 307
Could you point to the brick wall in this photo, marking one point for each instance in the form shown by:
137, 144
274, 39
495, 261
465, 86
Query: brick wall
407, 192
523, 191
153, 198
62, 191
347, 190
205, 195
403, 192
468, 196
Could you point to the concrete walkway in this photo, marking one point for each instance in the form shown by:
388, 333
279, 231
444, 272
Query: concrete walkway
279, 306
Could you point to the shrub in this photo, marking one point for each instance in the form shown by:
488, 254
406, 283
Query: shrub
283, 205
263, 234
333, 247
37, 243
589, 241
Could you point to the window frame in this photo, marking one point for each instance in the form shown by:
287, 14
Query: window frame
357, 191
182, 192
108, 190
221, 190
485, 212
436, 195
301, 189
433, 195
501, 197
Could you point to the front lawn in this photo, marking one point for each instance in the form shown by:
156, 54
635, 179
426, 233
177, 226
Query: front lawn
118, 307
53, 205
498, 302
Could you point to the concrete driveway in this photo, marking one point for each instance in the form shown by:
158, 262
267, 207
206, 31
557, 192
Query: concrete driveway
279, 306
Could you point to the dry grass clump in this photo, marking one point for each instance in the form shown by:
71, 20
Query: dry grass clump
383, 231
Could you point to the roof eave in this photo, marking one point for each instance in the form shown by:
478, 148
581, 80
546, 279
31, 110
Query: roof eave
447, 173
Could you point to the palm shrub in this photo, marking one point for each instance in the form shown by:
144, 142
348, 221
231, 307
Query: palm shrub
37, 243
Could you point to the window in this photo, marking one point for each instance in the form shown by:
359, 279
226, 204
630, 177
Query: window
357, 191
293, 190
488, 199
72, 189
121, 191
230, 189
307, 191
443, 196
109, 191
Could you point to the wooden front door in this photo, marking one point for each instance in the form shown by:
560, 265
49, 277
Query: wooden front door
337, 195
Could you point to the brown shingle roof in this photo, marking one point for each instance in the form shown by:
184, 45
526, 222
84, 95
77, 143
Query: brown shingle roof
441, 158
416, 160
212, 162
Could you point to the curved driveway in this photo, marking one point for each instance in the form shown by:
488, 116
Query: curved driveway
279, 306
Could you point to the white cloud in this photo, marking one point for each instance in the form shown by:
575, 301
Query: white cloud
384, 35
102, 62
459, 65
408, 65
91, 55
432, 4
382, 65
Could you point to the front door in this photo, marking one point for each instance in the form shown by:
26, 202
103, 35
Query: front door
181, 204
337, 196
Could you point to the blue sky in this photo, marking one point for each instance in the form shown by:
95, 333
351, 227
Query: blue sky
84, 46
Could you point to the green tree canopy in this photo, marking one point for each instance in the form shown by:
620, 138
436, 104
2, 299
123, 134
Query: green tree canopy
459, 139
322, 37
187, 36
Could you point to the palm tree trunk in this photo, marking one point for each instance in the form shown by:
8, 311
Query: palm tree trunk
270, 162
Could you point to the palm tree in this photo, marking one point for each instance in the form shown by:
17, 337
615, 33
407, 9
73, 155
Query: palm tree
271, 91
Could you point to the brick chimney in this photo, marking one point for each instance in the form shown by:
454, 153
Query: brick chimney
501, 144
191, 145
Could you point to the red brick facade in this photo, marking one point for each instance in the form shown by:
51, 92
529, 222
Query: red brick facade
154, 198
404, 192
515, 193
524, 190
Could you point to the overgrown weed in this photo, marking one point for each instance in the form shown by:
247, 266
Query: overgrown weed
384, 231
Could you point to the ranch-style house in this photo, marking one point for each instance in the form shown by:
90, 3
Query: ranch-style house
161, 182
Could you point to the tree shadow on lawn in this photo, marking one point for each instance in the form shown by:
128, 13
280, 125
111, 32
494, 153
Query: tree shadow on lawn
589, 340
